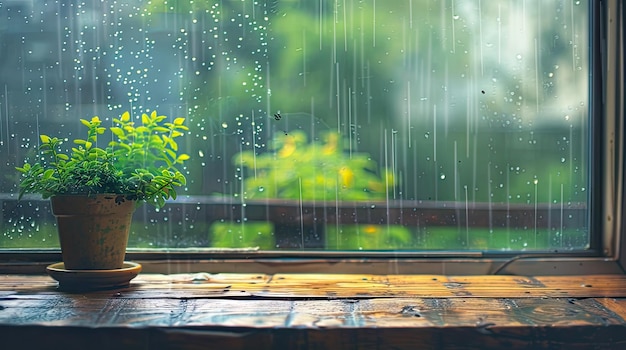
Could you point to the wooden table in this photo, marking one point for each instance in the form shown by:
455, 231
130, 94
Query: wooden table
318, 311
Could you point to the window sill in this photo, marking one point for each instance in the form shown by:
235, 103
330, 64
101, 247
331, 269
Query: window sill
318, 311
380, 263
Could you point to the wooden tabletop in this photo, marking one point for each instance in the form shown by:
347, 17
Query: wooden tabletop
318, 311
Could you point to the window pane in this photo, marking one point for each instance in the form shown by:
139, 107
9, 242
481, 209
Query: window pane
350, 125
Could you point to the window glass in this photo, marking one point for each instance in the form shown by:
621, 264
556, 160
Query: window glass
339, 125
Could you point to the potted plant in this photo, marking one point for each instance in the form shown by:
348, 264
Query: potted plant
94, 188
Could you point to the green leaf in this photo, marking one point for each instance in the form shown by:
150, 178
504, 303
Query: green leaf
171, 154
181, 158
99, 152
160, 201
44, 138
125, 146
47, 174
141, 129
170, 142
117, 132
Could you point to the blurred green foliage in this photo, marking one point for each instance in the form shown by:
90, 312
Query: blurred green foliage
467, 105
297, 169
369, 237
242, 235
469, 122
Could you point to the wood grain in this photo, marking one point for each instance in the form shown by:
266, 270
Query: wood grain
318, 311
351, 285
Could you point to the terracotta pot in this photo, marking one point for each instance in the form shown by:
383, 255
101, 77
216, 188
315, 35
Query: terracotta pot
93, 230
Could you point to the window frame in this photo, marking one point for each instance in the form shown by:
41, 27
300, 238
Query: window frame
606, 207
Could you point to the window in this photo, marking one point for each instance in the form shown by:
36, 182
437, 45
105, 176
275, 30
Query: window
461, 126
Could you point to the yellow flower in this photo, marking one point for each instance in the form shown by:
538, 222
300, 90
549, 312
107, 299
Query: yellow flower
347, 177
288, 148
331, 145
371, 229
